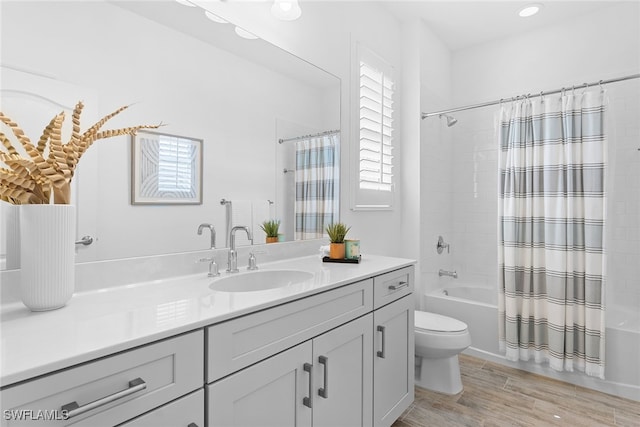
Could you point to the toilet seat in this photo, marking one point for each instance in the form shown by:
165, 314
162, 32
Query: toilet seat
432, 322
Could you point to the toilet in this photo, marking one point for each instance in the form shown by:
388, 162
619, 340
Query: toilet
439, 339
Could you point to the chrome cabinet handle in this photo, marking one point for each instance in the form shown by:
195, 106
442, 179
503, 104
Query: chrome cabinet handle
307, 400
73, 409
324, 392
400, 285
380, 353
192, 425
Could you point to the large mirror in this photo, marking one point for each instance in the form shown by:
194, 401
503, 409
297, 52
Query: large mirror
200, 79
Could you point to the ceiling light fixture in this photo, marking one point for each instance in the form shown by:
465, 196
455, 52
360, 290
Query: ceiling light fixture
530, 10
214, 17
245, 34
286, 10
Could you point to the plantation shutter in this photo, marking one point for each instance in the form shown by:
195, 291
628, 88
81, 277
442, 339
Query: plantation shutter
175, 166
375, 114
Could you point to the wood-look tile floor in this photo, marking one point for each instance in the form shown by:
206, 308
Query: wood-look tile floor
497, 395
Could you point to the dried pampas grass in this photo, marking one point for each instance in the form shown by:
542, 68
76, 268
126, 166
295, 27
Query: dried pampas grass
46, 175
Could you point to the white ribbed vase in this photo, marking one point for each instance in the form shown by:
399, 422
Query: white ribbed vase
47, 251
12, 231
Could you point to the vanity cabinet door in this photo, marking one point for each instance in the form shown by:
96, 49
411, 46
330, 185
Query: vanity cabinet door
342, 374
187, 411
268, 394
393, 360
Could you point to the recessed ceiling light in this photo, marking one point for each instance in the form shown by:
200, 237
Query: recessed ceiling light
214, 17
530, 10
245, 34
286, 10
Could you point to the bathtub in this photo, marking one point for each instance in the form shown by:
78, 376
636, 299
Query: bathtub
477, 307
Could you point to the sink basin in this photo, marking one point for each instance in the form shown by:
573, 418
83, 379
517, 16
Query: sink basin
260, 280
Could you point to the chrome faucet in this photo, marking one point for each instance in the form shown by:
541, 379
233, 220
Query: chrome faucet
453, 273
213, 267
213, 233
232, 264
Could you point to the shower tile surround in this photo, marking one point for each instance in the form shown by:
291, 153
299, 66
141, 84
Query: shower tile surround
472, 228
472, 223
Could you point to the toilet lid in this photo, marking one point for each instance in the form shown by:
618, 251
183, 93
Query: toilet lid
436, 322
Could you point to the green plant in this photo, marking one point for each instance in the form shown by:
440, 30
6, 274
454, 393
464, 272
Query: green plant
337, 232
271, 227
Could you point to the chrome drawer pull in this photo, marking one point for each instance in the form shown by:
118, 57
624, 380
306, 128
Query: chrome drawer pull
380, 353
307, 400
324, 392
73, 409
192, 425
400, 285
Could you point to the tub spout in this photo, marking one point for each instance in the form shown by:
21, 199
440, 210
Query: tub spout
453, 273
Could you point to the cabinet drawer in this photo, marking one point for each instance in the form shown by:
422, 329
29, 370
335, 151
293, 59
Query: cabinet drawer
390, 286
187, 411
237, 343
168, 370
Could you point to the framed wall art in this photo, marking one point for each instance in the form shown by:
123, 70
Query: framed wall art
166, 169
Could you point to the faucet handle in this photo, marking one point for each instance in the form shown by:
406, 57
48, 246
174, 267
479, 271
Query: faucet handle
441, 245
253, 264
213, 267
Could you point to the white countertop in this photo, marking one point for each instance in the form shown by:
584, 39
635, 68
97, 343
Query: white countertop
98, 323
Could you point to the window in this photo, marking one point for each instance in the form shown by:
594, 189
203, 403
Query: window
175, 164
374, 182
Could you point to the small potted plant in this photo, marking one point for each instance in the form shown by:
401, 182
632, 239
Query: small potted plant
337, 232
270, 227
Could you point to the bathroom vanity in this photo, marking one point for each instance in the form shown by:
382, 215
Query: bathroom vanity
334, 347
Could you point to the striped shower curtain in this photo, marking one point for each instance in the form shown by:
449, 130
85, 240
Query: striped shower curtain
553, 154
317, 185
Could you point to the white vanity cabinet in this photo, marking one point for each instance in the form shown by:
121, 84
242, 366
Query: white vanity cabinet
393, 374
394, 361
340, 358
323, 376
112, 390
325, 381
341, 380
188, 411
269, 393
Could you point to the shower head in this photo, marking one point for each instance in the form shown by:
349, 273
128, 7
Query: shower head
450, 120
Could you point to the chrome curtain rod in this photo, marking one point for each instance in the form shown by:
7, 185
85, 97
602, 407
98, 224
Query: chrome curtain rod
550, 92
298, 138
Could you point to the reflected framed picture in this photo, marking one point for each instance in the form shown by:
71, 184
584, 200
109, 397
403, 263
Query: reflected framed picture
165, 169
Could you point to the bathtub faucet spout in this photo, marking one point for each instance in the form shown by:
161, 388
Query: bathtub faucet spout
453, 274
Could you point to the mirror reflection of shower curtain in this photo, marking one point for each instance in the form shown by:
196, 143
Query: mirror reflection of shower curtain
317, 182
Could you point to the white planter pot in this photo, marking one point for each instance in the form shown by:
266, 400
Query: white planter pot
47, 255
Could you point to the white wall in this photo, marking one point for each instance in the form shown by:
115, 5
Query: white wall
589, 48
600, 45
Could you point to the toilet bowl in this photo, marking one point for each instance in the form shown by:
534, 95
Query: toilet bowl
438, 340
